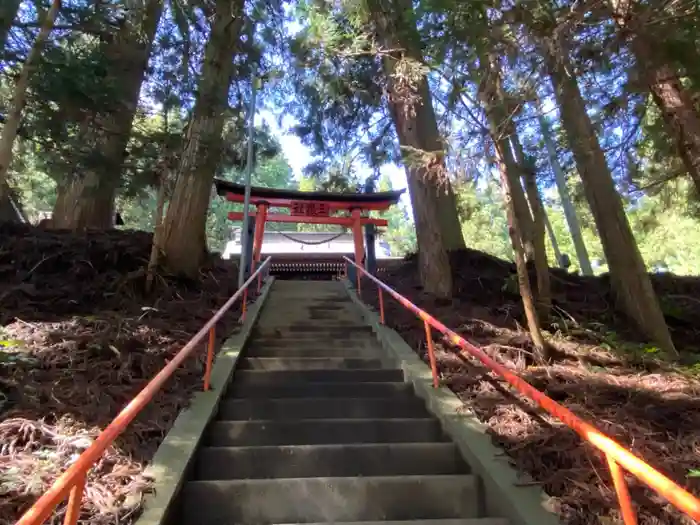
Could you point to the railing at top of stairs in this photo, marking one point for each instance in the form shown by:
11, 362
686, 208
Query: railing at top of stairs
616, 455
71, 484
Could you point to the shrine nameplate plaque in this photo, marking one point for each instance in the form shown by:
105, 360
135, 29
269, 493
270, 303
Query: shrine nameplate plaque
310, 209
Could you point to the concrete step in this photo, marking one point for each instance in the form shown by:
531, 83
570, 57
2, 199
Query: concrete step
276, 377
307, 500
322, 432
302, 319
315, 342
301, 390
284, 334
313, 329
305, 461
330, 349
307, 363
322, 408
306, 289
473, 521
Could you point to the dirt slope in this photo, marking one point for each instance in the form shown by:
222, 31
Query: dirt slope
603, 372
79, 338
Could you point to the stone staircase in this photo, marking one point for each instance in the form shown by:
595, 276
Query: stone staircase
317, 427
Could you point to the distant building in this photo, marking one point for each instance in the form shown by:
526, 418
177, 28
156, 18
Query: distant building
305, 245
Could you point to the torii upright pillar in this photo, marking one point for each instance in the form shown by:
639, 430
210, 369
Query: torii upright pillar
260, 219
359, 245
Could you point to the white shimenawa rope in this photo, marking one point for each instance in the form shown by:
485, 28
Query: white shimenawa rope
308, 243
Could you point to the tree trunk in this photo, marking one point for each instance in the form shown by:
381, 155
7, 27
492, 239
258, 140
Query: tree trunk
630, 280
528, 176
395, 28
82, 203
157, 234
553, 240
19, 98
8, 13
520, 205
184, 239
89, 201
450, 225
681, 117
435, 268
533, 323
434, 205
10, 207
569, 211
492, 97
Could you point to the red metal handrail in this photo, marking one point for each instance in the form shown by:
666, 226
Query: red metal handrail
72, 481
615, 454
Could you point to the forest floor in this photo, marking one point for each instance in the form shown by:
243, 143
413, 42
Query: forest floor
78, 339
602, 372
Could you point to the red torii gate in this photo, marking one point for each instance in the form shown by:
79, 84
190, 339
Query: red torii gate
343, 209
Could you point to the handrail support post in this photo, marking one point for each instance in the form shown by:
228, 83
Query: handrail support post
210, 358
629, 515
75, 501
431, 354
245, 304
381, 305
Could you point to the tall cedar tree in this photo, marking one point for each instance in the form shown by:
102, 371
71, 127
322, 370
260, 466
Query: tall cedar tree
410, 105
18, 102
88, 200
637, 22
8, 12
184, 239
630, 281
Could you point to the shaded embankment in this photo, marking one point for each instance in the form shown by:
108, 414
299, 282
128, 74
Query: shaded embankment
79, 339
601, 373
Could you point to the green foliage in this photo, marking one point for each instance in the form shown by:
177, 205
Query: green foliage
400, 233
270, 173
137, 212
37, 191
332, 87
484, 222
668, 239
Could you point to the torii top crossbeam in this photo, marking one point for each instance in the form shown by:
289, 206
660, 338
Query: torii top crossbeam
344, 209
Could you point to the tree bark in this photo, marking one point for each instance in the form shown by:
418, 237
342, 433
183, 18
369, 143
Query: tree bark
8, 13
90, 198
450, 225
435, 268
84, 202
681, 116
434, 204
553, 240
569, 211
19, 98
157, 234
630, 281
529, 179
184, 239
492, 97
10, 207
533, 323
395, 29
